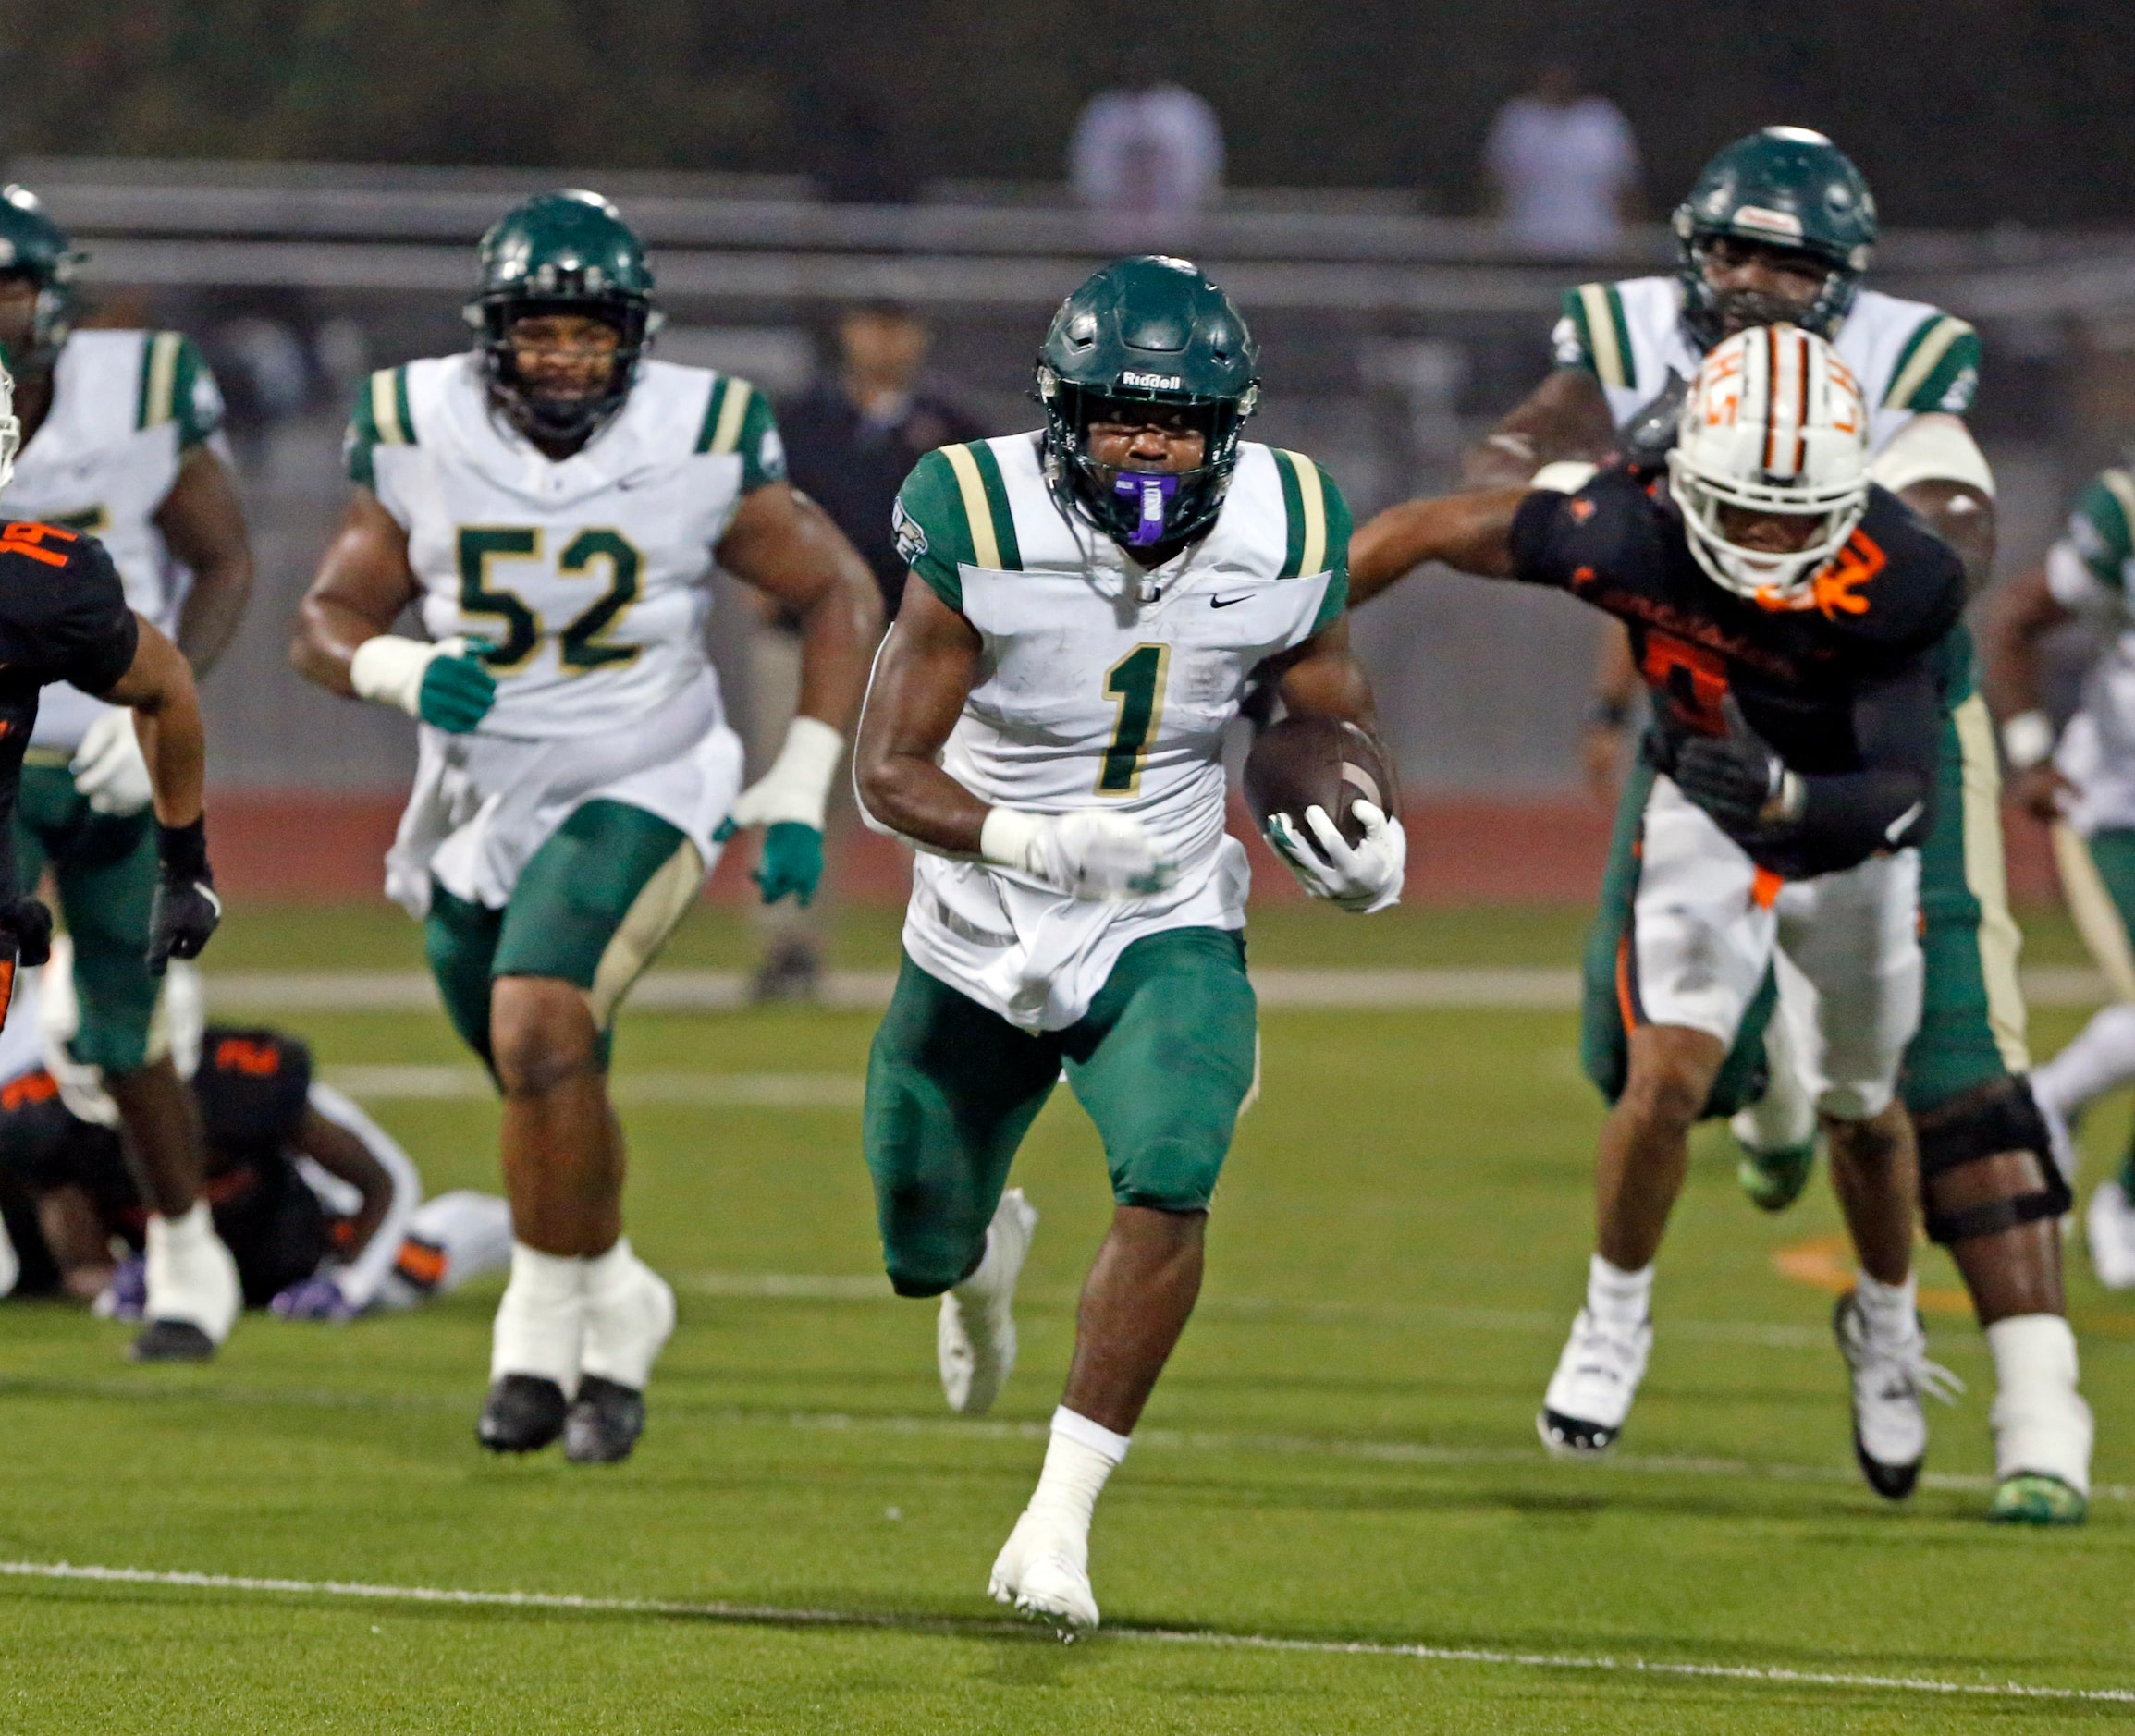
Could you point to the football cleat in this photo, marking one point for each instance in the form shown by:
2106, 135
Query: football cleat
1591, 1394
2031, 1498
1044, 1570
192, 1294
603, 1423
1774, 1179
1890, 1429
2109, 1227
521, 1414
171, 1341
975, 1333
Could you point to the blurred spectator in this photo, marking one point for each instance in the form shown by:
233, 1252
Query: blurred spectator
1564, 167
1146, 160
851, 441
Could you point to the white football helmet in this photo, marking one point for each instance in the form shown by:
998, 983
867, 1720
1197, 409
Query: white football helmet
10, 429
1775, 422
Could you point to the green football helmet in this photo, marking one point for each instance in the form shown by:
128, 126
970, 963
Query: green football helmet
33, 246
1786, 187
1146, 331
562, 252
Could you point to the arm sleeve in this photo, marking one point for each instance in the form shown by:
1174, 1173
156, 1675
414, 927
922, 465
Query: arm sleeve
1889, 802
932, 533
1610, 529
91, 632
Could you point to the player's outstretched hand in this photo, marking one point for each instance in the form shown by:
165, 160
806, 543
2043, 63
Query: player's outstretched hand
1738, 778
1363, 877
109, 771
1088, 854
186, 910
314, 1298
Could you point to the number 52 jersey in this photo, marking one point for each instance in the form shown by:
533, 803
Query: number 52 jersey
588, 577
1099, 686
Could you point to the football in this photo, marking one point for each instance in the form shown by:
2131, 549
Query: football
1310, 760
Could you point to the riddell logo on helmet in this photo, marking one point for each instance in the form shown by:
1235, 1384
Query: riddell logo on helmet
1151, 381
1781, 225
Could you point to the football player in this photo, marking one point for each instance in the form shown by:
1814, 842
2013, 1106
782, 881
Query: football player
554, 504
321, 1209
120, 439
1780, 226
1084, 606
2082, 785
1789, 617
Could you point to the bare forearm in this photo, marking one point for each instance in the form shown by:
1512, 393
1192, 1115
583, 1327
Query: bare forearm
1470, 531
1566, 416
212, 611
838, 635
1962, 517
203, 523
2018, 616
918, 798
175, 746
328, 633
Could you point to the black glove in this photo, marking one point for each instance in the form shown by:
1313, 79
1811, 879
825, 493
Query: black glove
1738, 779
26, 931
186, 909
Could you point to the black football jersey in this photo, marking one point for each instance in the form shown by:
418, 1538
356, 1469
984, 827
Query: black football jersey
1887, 600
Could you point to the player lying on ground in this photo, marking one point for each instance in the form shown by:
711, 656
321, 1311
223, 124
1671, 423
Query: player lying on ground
1780, 226
120, 438
2083, 786
1085, 607
1788, 617
555, 506
321, 1211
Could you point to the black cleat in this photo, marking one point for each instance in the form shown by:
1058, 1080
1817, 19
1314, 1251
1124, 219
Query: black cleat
1568, 1437
604, 1422
171, 1341
521, 1414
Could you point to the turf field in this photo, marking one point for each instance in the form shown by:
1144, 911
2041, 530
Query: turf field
1335, 1518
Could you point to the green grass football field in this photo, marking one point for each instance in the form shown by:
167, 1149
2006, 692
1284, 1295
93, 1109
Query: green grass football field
1335, 1518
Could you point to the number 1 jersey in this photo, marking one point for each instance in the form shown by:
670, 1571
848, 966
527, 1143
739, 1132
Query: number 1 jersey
588, 577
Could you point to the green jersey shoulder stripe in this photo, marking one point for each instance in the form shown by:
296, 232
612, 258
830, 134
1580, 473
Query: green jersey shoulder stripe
380, 418
1319, 531
1938, 368
725, 408
738, 420
1596, 312
986, 508
176, 387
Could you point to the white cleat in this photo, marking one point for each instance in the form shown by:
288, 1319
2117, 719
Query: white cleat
1591, 1394
2109, 1227
1890, 1427
1044, 1570
975, 1334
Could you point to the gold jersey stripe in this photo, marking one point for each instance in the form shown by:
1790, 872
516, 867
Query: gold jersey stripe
985, 544
1986, 878
1609, 360
2121, 486
1312, 502
733, 407
385, 410
162, 378
1925, 360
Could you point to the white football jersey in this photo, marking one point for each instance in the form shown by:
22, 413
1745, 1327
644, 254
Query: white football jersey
590, 577
126, 407
1908, 357
2091, 570
1101, 686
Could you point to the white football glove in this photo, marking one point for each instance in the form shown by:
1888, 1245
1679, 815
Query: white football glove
1089, 854
109, 771
797, 787
1363, 879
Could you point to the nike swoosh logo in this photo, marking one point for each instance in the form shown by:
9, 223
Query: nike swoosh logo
1224, 603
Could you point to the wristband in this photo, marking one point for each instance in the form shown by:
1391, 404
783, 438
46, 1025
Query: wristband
388, 668
1006, 838
2027, 739
182, 851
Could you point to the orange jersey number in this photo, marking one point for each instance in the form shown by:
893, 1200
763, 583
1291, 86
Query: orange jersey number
1692, 679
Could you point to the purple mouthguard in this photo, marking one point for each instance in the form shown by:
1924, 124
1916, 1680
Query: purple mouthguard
1156, 491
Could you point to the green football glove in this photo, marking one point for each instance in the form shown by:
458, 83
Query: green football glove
793, 862
457, 692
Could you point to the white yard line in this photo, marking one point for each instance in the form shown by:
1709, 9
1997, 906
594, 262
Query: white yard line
1285, 988
775, 1615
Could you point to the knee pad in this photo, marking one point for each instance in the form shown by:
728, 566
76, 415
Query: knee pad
1993, 1120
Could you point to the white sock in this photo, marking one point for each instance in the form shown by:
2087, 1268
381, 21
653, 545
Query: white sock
1078, 1459
1891, 1312
1616, 1298
191, 1274
540, 1318
629, 1313
2101, 1058
2040, 1420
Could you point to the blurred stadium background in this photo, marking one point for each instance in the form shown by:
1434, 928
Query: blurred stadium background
300, 186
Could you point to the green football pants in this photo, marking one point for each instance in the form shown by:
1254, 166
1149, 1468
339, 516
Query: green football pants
104, 866
593, 906
1163, 1062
